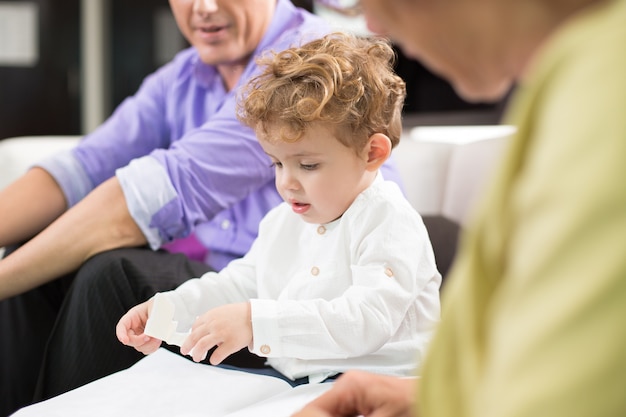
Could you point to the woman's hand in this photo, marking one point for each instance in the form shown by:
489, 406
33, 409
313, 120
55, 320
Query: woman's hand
359, 393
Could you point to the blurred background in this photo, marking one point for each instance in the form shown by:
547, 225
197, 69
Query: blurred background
66, 64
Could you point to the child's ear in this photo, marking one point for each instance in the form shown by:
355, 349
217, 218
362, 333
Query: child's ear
378, 150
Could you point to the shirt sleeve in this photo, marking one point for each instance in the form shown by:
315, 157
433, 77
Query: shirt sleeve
142, 176
69, 174
203, 170
137, 126
233, 284
210, 169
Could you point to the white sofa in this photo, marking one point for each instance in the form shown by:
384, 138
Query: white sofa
18, 154
443, 169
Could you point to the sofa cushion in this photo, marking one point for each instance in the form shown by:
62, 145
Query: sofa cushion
444, 235
19, 154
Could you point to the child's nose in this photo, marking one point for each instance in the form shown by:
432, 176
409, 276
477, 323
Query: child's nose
287, 180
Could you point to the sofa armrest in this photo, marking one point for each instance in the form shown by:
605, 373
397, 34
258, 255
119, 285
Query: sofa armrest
444, 170
18, 154
444, 167
469, 170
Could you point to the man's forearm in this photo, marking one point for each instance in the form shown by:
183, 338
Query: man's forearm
98, 223
28, 205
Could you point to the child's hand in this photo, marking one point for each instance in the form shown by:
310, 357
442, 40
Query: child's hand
228, 327
129, 329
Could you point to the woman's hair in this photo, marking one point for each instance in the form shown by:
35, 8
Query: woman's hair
342, 81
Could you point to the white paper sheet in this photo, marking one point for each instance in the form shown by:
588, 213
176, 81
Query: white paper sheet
166, 384
161, 322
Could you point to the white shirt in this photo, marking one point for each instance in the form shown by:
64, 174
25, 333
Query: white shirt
361, 292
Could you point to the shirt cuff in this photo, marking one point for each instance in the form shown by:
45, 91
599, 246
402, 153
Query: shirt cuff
69, 174
147, 188
265, 333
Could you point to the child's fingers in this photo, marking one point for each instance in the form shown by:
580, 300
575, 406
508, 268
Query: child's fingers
150, 345
202, 347
223, 351
137, 339
131, 334
199, 349
122, 330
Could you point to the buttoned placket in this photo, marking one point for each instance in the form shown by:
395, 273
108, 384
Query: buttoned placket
321, 230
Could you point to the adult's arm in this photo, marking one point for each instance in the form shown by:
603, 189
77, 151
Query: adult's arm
99, 222
28, 205
33, 203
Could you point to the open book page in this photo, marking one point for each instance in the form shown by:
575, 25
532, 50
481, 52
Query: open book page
284, 404
166, 384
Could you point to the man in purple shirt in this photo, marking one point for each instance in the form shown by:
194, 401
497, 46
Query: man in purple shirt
172, 162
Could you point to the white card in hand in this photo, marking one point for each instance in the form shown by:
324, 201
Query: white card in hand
161, 324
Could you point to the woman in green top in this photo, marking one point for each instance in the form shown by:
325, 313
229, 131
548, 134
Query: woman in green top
533, 312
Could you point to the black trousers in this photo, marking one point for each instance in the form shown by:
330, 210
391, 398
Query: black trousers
62, 335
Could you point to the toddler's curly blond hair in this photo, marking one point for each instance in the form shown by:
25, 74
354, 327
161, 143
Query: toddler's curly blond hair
343, 81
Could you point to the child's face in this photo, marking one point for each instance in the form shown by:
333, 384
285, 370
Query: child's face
318, 175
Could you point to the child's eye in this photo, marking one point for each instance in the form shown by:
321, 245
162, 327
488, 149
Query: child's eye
309, 167
276, 165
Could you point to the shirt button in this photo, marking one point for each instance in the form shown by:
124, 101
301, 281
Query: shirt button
315, 271
389, 272
225, 224
265, 349
321, 230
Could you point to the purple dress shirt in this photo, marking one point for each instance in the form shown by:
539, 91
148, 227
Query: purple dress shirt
184, 161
